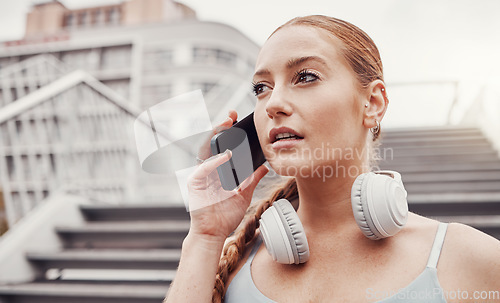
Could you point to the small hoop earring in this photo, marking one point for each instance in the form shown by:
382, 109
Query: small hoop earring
375, 130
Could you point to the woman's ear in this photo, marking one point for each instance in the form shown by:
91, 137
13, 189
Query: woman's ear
376, 103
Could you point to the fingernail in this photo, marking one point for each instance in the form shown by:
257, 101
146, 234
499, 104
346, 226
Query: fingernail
228, 152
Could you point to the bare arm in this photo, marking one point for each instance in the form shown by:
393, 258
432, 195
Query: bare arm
214, 213
476, 257
195, 277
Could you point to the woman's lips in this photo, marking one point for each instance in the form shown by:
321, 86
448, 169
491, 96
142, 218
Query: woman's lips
286, 143
281, 130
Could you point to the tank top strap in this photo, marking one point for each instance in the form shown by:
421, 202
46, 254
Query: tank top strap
255, 248
437, 245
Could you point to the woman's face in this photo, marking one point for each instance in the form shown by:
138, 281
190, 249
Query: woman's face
302, 82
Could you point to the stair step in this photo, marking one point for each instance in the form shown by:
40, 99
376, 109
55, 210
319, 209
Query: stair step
476, 221
134, 213
427, 151
116, 234
442, 158
451, 187
408, 142
456, 197
432, 132
107, 259
83, 292
109, 275
454, 204
440, 167
477, 175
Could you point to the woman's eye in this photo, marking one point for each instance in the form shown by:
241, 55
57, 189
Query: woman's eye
306, 77
259, 88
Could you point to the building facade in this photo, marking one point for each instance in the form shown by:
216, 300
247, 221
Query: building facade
139, 53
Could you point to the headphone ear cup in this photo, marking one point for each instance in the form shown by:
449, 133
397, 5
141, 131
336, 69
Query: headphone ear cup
360, 208
379, 205
283, 234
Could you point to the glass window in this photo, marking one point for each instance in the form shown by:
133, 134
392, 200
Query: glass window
99, 17
116, 57
69, 20
114, 16
155, 93
87, 19
158, 60
208, 55
77, 58
10, 166
82, 18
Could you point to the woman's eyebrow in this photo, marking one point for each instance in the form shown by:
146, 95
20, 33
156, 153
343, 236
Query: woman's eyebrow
297, 61
262, 72
293, 63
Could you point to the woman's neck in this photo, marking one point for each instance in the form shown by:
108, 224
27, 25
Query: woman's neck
325, 203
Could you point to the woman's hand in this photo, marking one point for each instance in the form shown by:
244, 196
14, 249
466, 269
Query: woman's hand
215, 212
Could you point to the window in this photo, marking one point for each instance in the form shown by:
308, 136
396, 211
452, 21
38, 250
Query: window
207, 55
155, 93
158, 60
82, 18
77, 58
69, 20
116, 57
114, 16
10, 166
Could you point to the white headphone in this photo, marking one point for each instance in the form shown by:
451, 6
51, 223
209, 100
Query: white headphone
379, 206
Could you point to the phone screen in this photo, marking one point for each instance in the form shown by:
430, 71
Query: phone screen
247, 153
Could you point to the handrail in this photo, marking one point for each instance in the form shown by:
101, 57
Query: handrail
64, 83
46, 58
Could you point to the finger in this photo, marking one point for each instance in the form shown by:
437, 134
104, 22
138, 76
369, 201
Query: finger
224, 125
231, 119
251, 182
233, 114
210, 164
204, 150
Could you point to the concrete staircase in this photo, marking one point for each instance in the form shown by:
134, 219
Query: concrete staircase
121, 254
451, 174
130, 254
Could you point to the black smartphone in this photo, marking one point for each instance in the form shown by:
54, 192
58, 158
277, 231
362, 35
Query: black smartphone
247, 153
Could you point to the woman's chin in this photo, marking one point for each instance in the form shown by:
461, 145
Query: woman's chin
291, 167
300, 168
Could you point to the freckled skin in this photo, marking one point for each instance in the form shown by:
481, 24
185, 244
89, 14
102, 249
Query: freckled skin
326, 111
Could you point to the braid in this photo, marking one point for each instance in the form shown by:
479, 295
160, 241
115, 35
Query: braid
235, 249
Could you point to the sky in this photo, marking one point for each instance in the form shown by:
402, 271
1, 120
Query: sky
426, 45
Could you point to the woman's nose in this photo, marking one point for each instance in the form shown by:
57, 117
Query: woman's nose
278, 104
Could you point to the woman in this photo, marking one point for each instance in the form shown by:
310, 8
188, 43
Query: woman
322, 78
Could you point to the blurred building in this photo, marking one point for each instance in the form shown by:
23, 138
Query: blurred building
61, 128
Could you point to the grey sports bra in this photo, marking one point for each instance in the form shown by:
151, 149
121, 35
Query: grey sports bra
425, 288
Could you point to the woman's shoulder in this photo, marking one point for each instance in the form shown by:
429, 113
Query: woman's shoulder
474, 252
470, 258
